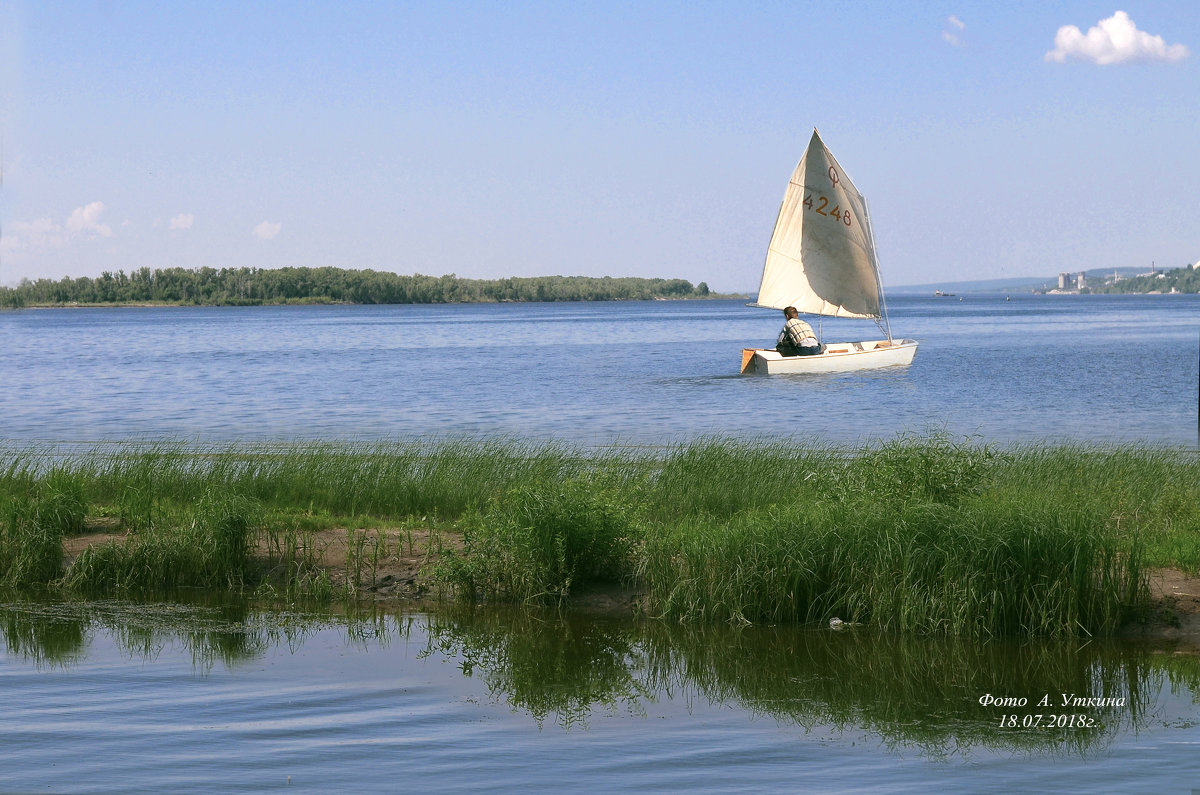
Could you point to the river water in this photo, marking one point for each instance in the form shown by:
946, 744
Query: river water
1084, 368
121, 697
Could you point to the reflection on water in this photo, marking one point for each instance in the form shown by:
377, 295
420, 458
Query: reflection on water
551, 665
915, 692
57, 635
567, 669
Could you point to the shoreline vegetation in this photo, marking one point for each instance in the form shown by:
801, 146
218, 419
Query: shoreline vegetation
281, 286
925, 535
1175, 280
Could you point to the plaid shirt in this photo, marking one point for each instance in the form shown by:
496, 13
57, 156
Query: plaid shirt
797, 332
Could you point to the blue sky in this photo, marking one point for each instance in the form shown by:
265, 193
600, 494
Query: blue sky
623, 139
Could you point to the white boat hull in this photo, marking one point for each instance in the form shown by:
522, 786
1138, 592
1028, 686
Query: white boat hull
839, 357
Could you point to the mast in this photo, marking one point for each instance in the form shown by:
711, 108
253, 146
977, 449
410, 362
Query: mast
1, 203
886, 325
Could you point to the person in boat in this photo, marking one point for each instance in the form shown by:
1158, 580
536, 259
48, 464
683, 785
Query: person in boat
797, 337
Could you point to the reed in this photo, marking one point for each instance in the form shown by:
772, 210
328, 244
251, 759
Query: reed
1153, 493
927, 534
975, 569
292, 569
211, 551
32, 527
723, 477
534, 544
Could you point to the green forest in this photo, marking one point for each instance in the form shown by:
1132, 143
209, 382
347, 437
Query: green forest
1181, 280
254, 286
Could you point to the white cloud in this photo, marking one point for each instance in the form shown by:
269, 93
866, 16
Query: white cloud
40, 233
949, 36
267, 230
44, 233
86, 220
182, 221
1112, 41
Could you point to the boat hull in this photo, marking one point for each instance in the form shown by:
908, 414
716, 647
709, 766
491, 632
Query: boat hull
839, 357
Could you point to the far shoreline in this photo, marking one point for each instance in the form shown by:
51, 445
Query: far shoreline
182, 305
899, 293
291, 285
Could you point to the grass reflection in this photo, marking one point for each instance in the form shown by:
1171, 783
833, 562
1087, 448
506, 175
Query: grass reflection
911, 692
549, 665
49, 637
570, 669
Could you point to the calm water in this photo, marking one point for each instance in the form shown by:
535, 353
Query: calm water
106, 697
1105, 368
117, 697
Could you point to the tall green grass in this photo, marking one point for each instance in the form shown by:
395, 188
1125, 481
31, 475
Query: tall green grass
392, 480
917, 534
977, 569
928, 534
535, 543
33, 524
211, 550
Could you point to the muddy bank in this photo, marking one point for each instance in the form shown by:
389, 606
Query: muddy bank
1174, 611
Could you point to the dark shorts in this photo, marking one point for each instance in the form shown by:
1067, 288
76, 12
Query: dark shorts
792, 350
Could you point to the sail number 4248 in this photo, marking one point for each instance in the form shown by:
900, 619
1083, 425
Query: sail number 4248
821, 207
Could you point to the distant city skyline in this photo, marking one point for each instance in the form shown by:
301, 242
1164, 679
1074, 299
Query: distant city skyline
993, 141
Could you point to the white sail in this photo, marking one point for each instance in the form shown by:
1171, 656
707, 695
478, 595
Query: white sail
821, 258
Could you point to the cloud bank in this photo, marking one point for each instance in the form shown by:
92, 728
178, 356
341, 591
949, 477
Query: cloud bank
267, 230
39, 233
1113, 41
44, 233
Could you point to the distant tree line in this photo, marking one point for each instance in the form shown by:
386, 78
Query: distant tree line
1183, 280
251, 286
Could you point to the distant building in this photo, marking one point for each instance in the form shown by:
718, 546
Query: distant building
1064, 280
1080, 280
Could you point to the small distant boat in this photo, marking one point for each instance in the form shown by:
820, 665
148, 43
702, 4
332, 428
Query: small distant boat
939, 292
821, 260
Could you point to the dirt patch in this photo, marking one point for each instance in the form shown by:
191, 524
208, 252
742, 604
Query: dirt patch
390, 562
1174, 612
96, 531
387, 563
73, 545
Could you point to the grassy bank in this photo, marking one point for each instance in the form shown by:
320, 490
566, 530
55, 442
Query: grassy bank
917, 535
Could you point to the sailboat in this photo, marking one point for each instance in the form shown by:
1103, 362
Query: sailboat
822, 261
